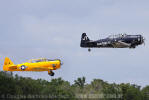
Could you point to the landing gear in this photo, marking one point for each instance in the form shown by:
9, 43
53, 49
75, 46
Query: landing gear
89, 50
133, 47
51, 73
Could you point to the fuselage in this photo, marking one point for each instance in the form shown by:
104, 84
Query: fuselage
117, 41
37, 66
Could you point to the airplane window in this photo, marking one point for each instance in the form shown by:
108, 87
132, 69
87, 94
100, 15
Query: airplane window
49, 60
40, 60
30, 61
33, 61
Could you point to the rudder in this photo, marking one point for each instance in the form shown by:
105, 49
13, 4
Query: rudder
7, 62
84, 39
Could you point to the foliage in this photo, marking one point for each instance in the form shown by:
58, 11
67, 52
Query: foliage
145, 92
19, 88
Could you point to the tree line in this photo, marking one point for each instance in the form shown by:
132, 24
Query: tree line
21, 88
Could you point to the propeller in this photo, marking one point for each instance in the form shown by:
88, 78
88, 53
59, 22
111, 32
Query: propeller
62, 63
144, 41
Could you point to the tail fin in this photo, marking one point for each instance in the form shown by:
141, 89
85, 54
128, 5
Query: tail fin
84, 39
7, 62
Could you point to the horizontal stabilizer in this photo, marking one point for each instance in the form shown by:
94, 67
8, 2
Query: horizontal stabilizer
13, 67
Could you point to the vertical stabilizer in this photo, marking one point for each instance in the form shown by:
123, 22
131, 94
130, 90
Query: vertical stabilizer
84, 39
7, 63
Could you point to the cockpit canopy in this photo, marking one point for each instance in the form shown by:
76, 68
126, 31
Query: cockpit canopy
39, 60
117, 36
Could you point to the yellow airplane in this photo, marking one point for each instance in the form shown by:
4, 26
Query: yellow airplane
41, 64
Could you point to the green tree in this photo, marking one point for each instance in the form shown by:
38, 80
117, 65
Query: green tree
80, 82
145, 92
58, 89
131, 92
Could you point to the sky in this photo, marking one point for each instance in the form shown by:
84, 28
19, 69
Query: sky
52, 29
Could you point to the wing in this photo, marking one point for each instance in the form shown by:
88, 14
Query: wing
121, 44
40, 69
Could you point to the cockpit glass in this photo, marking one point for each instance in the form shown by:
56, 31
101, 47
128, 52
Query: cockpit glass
117, 36
39, 60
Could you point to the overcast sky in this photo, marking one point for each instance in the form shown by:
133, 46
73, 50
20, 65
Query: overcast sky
52, 29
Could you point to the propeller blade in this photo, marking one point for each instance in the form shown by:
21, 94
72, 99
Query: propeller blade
62, 63
144, 41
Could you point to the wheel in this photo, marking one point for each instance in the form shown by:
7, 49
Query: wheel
23, 67
133, 47
89, 49
51, 73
